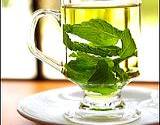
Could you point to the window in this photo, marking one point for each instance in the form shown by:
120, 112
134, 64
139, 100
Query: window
16, 63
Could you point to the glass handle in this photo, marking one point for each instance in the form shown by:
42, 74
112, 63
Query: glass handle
31, 43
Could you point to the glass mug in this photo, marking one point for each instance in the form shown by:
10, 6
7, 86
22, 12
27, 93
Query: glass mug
101, 55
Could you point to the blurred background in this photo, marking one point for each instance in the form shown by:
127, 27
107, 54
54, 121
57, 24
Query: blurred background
18, 63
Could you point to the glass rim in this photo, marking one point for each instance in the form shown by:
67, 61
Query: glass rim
100, 3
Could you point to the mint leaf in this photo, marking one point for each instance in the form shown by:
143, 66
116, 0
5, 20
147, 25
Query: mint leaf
77, 46
128, 45
81, 65
97, 31
103, 74
77, 76
123, 76
91, 59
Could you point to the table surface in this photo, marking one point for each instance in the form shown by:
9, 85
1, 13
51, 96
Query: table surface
13, 91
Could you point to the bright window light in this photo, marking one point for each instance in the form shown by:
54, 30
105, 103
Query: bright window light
17, 62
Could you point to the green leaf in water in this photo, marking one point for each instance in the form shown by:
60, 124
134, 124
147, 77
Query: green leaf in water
97, 31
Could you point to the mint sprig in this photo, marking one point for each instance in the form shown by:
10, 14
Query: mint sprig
94, 62
128, 45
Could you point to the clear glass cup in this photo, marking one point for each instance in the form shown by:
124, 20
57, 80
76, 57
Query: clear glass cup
100, 37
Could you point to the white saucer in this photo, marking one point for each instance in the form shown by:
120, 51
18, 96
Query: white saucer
48, 107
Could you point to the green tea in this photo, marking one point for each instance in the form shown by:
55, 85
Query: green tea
101, 46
